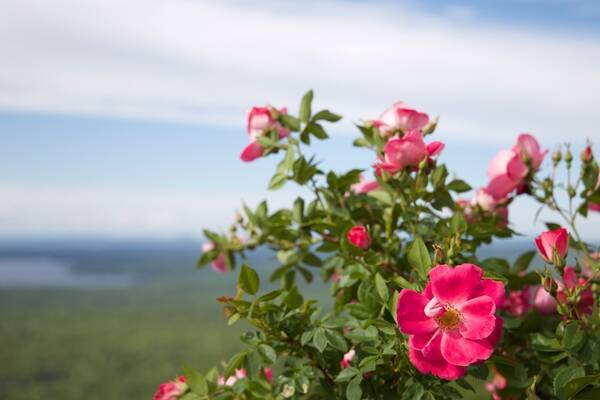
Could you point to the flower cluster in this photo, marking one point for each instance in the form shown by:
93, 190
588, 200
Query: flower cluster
261, 122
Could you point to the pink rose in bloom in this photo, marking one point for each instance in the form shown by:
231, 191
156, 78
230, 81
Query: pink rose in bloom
406, 151
553, 242
260, 123
359, 237
239, 374
452, 324
400, 117
218, 264
364, 186
171, 390
518, 302
345, 362
268, 374
509, 168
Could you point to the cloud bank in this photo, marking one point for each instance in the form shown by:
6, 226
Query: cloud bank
207, 62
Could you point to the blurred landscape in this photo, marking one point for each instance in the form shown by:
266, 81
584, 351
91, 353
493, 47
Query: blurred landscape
99, 319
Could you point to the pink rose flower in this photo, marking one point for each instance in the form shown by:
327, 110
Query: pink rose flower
364, 186
239, 374
452, 324
543, 302
268, 374
518, 302
359, 237
171, 390
553, 242
400, 117
218, 264
345, 362
509, 168
529, 150
260, 123
406, 151
435, 148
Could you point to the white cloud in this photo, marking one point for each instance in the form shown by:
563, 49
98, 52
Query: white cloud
207, 62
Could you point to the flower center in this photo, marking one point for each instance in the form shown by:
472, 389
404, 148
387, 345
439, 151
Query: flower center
449, 319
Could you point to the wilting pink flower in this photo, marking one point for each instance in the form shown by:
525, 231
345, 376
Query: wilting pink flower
400, 117
260, 123
171, 390
359, 237
218, 264
452, 324
518, 302
544, 303
498, 382
553, 242
509, 168
239, 374
364, 186
268, 374
345, 362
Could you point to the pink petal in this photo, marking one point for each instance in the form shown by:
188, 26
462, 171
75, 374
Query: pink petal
458, 350
251, 152
496, 333
477, 318
493, 289
543, 302
435, 148
562, 242
435, 365
501, 185
516, 168
542, 249
410, 316
570, 277
499, 164
455, 285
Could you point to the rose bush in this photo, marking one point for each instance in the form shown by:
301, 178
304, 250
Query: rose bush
416, 311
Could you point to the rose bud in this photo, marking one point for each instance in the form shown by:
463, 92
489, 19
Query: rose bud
359, 237
553, 246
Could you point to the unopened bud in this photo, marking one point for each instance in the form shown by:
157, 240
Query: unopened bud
556, 156
586, 154
548, 185
568, 156
571, 191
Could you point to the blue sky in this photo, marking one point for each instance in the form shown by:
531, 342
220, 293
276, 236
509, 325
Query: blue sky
126, 119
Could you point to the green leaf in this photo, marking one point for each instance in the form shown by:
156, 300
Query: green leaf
195, 380
271, 295
268, 353
277, 181
346, 374
327, 116
320, 340
317, 130
305, 106
298, 211
336, 340
306, 337
573, 336
565, 375
576, 385
248, 280
418, 258
354, 391
522, 263
235, 362
381, 287
290, 122
458, 186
